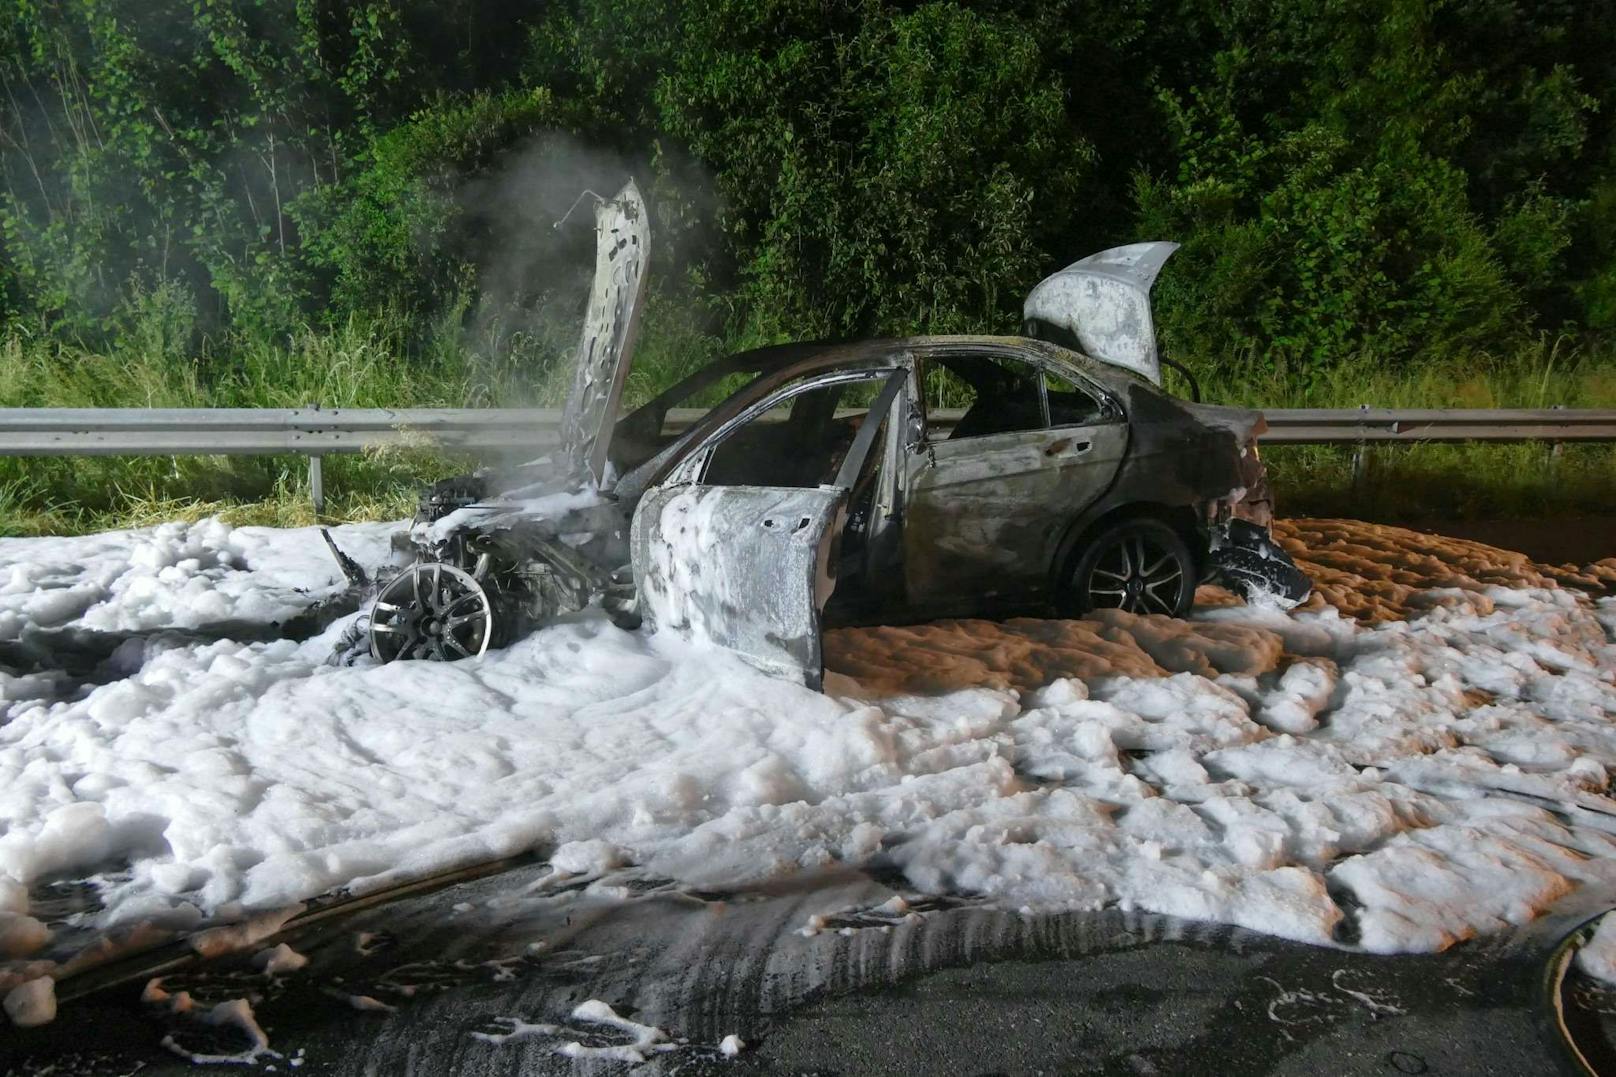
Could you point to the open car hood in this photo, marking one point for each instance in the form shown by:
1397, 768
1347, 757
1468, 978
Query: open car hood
1104, 301
622, 249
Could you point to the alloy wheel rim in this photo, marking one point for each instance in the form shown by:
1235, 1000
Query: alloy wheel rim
1137, 575
432, 611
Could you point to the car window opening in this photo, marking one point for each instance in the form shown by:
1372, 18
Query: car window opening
800, 442
981, 395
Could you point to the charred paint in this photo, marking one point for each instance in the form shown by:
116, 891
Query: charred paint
748, 568
622, 248
985, 513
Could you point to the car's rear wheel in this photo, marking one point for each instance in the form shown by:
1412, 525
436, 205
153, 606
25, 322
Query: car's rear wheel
1139, 565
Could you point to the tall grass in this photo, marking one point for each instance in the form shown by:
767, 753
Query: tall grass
356, 364
157, 361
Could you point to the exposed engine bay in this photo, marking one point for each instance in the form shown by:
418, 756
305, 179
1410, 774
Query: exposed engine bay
482, 573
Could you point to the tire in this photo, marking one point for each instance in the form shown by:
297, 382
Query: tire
1104, 572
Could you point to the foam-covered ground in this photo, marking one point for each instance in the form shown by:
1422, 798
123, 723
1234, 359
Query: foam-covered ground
1420, 756
1376, 572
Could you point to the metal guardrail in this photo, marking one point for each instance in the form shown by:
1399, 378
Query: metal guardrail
1324, 426
315, 432
265, 431
312, 431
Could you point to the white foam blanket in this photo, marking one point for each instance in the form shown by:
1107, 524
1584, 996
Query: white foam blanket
1429, 779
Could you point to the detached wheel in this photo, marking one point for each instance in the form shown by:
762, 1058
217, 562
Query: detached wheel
431, 610
1139, 565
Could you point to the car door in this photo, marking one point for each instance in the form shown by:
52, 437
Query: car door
993, 486
737, 547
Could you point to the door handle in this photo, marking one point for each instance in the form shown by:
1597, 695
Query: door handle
1054, 448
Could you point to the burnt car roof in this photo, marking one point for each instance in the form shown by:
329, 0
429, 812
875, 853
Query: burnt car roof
775, 365
806, 356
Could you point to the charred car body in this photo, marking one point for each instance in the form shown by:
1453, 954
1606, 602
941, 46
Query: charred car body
876, 481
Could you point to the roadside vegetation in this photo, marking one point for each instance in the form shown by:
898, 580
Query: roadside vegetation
359, 365
272, 204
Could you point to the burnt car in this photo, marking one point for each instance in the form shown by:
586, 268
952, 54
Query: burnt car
792, 487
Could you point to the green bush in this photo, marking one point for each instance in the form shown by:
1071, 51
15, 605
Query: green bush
1341, 198
380, 239
1385, 185
892, 180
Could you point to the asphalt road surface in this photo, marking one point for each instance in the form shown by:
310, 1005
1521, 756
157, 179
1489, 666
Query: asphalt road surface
830, 976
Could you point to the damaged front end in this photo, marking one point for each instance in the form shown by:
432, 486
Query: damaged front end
1241, 552
484, 571
492, 555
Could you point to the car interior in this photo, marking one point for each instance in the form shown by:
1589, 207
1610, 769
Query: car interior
799, 442
1001, 396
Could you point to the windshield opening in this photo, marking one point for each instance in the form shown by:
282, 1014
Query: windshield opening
654, 425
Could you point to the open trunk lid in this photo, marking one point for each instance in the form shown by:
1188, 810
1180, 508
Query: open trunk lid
1104, 302
622, 250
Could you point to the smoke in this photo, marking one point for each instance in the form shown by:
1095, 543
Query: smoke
534, 260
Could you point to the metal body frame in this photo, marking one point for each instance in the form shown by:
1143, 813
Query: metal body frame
871, 354
693, 467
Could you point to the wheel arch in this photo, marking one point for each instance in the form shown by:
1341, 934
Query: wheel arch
1181, 518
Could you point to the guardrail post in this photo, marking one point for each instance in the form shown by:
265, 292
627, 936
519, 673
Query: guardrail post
317, 482
317, 476
1556, 449
1360, 453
